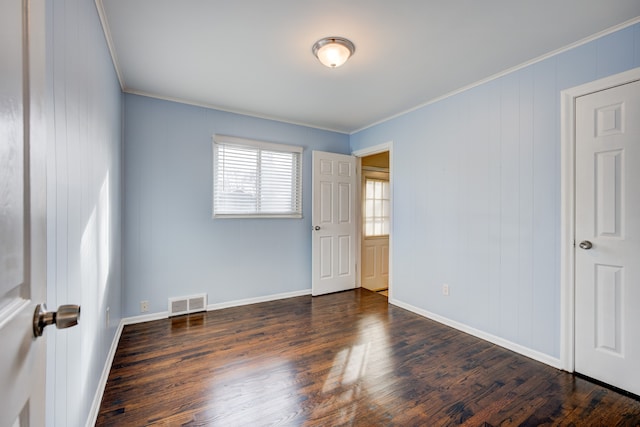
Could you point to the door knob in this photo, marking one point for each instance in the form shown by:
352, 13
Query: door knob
66, 317
317, 227
585, 244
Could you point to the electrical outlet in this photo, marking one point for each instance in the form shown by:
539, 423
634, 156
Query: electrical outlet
445, 290
144, 306
107, 318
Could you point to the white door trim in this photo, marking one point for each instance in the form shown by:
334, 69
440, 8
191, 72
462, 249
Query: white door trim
567, 206
380, 148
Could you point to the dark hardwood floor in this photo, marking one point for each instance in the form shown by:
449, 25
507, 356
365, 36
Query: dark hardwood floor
346, 359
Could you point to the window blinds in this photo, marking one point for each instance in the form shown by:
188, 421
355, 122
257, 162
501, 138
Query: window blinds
256, 179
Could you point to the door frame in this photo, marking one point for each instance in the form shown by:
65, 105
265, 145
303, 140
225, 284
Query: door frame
567, 206
380, 148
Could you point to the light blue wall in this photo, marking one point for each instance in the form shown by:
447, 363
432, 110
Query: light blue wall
477, 195
172, 247
84, 226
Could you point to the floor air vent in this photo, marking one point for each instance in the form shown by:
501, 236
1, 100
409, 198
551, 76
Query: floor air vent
189, 304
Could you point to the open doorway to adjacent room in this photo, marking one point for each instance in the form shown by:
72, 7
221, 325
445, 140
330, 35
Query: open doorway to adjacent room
376, 222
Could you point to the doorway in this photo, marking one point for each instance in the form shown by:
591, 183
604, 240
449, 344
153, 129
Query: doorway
600, 239
375, 218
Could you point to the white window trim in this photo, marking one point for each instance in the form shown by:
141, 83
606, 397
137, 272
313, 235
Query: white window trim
267, 146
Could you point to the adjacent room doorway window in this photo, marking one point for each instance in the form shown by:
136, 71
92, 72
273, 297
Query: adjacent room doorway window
376, 221
376, 207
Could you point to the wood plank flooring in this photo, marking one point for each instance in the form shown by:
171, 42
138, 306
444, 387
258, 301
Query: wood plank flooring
346, 359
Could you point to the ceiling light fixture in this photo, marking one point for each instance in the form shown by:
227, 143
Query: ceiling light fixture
333, 51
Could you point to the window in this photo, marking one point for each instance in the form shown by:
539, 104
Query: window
376, 207
256, 179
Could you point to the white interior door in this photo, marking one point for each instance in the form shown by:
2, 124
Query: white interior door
376, 209
334, 223
22, 216
607, 275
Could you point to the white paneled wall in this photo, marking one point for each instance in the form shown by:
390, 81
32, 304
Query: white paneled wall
84, 112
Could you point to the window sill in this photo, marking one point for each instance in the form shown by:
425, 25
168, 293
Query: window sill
255, 216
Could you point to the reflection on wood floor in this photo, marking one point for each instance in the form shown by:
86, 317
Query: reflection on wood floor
342, 359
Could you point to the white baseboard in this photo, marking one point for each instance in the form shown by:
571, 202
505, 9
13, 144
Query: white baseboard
102, 383
145, 318
520, 349
266, 298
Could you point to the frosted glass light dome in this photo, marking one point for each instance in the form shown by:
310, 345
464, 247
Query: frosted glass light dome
333, 51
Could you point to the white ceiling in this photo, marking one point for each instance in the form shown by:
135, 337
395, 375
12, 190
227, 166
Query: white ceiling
254, 56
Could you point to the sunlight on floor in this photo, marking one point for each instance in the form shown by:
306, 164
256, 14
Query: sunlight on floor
348, 366
258, 396
342, 385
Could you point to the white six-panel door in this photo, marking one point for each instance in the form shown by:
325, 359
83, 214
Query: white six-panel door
607, 232
333, 223
22, 213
